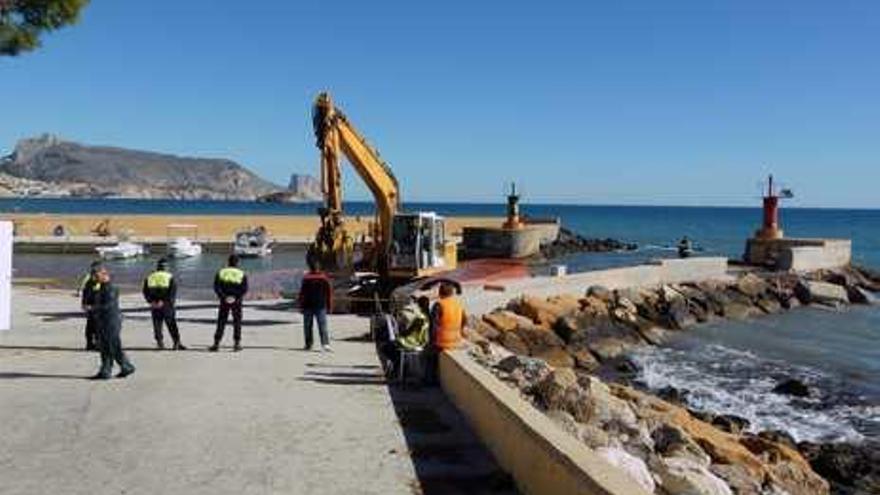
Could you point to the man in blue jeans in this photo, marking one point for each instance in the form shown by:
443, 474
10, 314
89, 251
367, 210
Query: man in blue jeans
315, 301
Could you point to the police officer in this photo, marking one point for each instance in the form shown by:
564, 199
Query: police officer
230, 285
109, 320
88, 290
160, 291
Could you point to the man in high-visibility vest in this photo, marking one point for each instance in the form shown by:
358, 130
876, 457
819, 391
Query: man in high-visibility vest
87, 291
230, 285
448, 319
160, 291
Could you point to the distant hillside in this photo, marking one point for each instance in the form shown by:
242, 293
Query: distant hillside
48, 166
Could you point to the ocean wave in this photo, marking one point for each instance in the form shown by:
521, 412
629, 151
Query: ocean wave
722, 380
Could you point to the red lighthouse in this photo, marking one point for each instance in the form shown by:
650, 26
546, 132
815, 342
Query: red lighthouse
770, 228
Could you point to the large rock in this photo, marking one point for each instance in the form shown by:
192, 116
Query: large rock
792, 387
686, 477
607, 339
851, 468
858, 295
514, 343
751, 285
738, 479
762, 460
545, 312
539, 340
812, 292
504, 320
671, 441
551, 391
583, 357
634, 467
556, 357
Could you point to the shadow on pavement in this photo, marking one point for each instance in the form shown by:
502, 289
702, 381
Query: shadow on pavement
344, 377
447, 455
18, 375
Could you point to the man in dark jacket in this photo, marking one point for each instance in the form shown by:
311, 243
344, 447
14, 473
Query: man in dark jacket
160, 291
109, 325
315, 301
88, 290
230, 285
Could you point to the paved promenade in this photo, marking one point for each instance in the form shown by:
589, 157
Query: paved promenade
270, 419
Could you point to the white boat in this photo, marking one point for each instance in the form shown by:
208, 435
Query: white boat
252, 243
183, 247
122, 250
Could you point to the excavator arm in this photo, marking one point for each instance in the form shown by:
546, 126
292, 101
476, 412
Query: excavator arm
334, 136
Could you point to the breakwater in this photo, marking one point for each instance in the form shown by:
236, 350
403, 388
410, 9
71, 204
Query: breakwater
560, 351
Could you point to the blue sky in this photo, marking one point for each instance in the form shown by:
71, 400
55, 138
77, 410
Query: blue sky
625, 102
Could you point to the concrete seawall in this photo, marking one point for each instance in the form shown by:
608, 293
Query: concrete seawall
541, 458
667, 271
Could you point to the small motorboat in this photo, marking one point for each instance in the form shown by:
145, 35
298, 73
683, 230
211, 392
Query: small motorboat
122, 250
183, 247
252, 243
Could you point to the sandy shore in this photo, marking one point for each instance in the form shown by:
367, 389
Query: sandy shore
210, 227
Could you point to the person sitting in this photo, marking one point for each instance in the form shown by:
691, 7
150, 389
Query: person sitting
414, 335
448, 319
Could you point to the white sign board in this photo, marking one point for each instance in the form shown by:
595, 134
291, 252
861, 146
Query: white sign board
5, 275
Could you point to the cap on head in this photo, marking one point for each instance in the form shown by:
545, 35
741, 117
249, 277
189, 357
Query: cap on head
446, 289
234, 260
95, 267
162, 264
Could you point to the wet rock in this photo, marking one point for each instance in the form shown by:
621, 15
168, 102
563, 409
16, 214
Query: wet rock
737, 311
651, 333
738, 479
634, 467
792, 387
858, 295
678, 314
685, 476
812, 292
674, 395
851, 468
768, 304
730, 423
607, 339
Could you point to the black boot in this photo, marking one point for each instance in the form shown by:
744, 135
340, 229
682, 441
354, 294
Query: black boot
237, 346
179, 347
215, 347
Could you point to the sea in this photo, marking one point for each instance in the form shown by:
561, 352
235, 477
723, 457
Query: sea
724, 367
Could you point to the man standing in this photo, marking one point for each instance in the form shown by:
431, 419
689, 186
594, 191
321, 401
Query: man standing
88, 290
315, 300
109, 325
230, 285
160, 291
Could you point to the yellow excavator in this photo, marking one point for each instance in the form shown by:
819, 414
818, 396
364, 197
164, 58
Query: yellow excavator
399, 246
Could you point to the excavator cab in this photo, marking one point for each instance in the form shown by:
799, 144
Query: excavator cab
418, 245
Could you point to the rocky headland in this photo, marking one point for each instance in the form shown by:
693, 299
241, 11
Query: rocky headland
567, 355
46, 166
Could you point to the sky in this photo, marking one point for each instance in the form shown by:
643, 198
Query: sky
687, 102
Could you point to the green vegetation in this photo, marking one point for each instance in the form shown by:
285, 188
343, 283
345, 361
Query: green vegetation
22, 21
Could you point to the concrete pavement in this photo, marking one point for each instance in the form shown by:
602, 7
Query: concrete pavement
270, 419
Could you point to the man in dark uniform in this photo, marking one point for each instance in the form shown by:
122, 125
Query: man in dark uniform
160, 291
87, 291
109, 325
230, 285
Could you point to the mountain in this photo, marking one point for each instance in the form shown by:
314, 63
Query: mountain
49, 166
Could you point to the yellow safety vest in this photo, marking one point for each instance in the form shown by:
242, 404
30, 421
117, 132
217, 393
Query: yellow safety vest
159, 280
87, 280
231, 275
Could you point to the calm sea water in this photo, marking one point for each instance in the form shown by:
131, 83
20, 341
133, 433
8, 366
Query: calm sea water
728, 367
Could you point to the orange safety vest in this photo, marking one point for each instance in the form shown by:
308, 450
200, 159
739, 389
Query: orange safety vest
448, 331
